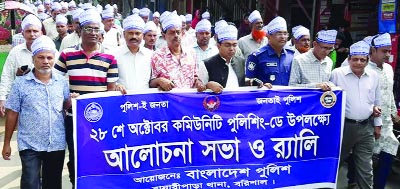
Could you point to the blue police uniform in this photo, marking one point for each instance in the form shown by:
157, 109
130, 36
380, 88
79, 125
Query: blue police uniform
264, 64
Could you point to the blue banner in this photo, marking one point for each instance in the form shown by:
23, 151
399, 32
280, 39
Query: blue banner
188, 140
387, 16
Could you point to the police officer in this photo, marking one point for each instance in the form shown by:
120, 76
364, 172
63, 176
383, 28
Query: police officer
271, 63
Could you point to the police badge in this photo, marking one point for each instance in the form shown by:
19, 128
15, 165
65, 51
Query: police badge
272, 77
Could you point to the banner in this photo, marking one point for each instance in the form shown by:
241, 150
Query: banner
188, 140
387, 16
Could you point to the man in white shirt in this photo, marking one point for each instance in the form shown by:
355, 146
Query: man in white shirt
19, 56
112, 37
150, 35
50, 23
202, 47
73, 39
134, 66
363, 120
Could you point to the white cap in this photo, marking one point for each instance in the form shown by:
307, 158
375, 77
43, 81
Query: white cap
277, 24
382, 40
99, 8
172, 20
188, 17
29, 20
40, 7
61, 19
47, 1
89, 16
43, 43
205, 15
156, 14
327, 36
108, 6
294, 29
144, 12
360, 48
228, 33
133, 22
64, 5
203, 25
76, 13
368, 40
86, 6
107, 13
56, 6
150, 26
254, 16
43, 16
300, 32
72, 4
135, 11
183, 19
164, 15
115, 6
220, 25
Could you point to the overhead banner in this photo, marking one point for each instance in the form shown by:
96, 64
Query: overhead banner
188, 140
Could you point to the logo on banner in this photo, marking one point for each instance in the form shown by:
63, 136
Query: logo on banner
328, 99
93, 112
211, 103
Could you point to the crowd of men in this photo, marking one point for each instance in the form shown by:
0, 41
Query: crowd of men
86, 49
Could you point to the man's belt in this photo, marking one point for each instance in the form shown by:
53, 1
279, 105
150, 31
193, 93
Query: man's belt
362, 122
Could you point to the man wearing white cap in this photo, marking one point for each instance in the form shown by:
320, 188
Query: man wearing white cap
112, 37
387, 145
150, 35
202, 47
61, 24
205, 15
272, 63
256, 39
188, 27
73, 39
313, 68
174, 66
224, 70
156, 20
50, 23
19, 60
301, 39
47, 6
134, 67
85, 76
71, 6
36, 103
161, 42
363, 99
64, 8
144, 13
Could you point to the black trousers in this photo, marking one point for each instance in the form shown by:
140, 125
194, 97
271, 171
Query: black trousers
69, 132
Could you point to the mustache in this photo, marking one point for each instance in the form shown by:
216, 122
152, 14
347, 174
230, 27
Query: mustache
134, 40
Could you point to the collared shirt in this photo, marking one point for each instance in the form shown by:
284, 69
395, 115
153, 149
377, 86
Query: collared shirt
308, 71
112, 39
50, 27
17, 39
87, 73
18, 56
134, 70
70, 41
232, 81
182, 73
40, 108
204, 54
266, 65
388, 141
248, 45
362, 94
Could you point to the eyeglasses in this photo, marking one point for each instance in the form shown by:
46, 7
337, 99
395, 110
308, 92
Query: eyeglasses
279, 34
90, 30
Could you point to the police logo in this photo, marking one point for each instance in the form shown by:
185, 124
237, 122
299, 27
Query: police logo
93, 112
211, 103
328, 99
251, 66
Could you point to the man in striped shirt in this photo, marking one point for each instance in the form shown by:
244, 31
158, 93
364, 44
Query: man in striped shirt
89, 70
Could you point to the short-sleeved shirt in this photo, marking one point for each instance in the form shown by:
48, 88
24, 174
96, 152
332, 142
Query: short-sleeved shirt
87, 73
182, 73
248, 45
40, 108
266, 65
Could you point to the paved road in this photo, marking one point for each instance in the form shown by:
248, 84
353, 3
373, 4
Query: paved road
10, 171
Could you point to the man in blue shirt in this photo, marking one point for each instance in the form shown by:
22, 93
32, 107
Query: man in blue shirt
272, 63
37, 102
